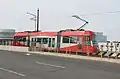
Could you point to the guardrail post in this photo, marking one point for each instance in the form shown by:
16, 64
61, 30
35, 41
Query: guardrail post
88, 52
107, 48
111, 49
66, 51
56, 50
76, 52
101, 51
34, 48
117, 50
70, 52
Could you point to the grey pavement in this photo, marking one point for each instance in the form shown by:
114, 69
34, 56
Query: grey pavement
13, 64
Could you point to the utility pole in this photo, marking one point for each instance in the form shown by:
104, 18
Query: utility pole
38, 20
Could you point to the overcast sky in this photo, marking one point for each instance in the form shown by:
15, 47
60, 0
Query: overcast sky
56, 15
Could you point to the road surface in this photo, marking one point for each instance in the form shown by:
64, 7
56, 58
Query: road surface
15, 65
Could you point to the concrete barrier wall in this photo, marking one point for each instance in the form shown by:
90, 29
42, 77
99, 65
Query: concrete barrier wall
14, 48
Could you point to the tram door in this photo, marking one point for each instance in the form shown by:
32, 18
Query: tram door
51, 43
80, 43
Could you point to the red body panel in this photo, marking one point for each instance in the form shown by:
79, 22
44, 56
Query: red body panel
36, 34
69, 33
17, 43
21, 34
76, 33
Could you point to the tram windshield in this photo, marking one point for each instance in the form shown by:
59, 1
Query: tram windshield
20, 38
99, 38
94, 40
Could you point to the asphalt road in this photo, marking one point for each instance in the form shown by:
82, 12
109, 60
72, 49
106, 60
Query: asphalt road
15, 65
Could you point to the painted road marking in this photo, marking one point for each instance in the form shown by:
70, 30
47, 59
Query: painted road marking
7, 70
50, 65
28, 54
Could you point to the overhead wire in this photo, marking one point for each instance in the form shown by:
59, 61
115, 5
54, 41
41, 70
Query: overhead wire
92, 14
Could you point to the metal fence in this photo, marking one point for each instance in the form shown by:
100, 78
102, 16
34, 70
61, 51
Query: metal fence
6, 42
109, 49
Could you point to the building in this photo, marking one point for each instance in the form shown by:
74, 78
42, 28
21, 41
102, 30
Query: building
6, 35
100, 37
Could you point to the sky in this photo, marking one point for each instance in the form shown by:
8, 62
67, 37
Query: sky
57, 14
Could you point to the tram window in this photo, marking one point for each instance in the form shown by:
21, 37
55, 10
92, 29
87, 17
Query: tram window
53, 42
39, 40
45, 40
24, 39
87, 40
65, 39
20, 38
32, 39
73, 39
35, 39
94, 41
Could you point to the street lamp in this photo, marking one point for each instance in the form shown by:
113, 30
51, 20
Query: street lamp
80, 19
34, 18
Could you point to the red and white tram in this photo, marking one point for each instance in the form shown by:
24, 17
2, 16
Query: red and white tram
72, 41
